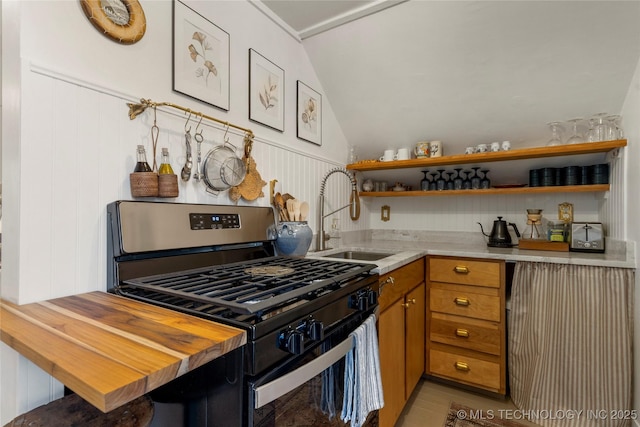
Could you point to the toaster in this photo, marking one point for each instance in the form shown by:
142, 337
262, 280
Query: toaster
586, 237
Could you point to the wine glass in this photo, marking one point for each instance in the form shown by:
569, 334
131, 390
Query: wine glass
576, 137
466, 183
485, 182
440, 182
457, 180
556, 133
432, 183
615, 130
449, 180
424, 184
475, 179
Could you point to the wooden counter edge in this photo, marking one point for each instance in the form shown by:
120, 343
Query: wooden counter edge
12, 322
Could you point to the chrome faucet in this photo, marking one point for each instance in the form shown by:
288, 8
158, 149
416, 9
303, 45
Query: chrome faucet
354, 205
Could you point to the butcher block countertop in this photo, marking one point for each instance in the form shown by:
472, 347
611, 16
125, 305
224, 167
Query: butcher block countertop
110, 349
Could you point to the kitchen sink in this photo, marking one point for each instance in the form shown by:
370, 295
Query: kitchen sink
358, 255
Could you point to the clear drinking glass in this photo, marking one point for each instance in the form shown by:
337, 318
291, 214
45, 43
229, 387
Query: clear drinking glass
614, 127
576, 137
556, 133
599, 127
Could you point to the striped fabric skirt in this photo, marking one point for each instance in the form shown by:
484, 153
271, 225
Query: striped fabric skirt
570, 342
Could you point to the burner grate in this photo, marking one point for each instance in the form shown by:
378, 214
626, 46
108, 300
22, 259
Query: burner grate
251, 287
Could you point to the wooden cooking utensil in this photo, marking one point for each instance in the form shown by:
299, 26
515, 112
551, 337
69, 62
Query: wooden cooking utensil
290, 209
279, 201
304, 211
296, 209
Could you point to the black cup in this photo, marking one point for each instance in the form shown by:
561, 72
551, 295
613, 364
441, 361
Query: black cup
586, 175
534, 177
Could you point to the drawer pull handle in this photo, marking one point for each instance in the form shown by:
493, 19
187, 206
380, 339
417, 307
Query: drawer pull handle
461, 269
390, 280
461, 301
462, 366
462, 333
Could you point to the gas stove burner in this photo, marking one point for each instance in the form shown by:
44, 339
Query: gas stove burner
269, 270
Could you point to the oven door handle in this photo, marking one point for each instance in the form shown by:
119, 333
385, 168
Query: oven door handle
279, 387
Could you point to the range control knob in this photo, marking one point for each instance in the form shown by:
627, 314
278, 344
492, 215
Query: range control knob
363, 299
315, 329
359, 301
373, 297
292, 341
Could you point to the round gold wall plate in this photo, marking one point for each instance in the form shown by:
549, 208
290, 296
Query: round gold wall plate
121, 20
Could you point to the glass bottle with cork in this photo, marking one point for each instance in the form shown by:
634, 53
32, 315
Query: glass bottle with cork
167, 180
165, 165
141, 164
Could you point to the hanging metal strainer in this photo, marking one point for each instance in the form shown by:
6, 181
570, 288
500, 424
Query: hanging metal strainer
223, 169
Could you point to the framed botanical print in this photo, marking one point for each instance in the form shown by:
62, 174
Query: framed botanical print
200, 57
309, 114
266, 91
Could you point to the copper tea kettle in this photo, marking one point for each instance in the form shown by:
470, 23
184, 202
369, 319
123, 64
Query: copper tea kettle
500, 237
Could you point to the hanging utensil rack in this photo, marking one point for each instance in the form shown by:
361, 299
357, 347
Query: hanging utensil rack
139, 108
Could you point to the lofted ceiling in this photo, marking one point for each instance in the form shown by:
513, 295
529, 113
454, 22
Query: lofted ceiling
465, 72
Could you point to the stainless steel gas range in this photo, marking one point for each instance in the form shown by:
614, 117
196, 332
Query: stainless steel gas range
218, 262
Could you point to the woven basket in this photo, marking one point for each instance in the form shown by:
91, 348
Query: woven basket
167, 185
144, 184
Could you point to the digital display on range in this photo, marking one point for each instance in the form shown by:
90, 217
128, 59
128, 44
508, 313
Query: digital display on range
214, 221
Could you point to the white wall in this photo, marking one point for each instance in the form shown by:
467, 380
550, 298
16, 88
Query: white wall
68, 145
631, 122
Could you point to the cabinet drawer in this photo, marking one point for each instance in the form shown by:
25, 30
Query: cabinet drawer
466, 271
465, 368
468, 304
466, 333
404, 279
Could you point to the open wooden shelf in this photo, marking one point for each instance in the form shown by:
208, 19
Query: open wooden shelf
499, 156
518, 190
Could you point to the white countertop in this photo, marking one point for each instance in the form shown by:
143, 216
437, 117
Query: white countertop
407, 246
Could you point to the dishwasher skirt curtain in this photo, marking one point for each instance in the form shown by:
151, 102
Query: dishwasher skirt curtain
570, 341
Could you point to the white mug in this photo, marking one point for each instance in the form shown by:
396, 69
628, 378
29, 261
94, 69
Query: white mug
387, 156
435, 148
470, 150
403, 154
481, 148
495, 146
506, 145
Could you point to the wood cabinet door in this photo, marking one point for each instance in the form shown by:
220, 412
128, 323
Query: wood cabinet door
415, 311
392, 362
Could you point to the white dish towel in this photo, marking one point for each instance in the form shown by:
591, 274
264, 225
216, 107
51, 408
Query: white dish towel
362, 382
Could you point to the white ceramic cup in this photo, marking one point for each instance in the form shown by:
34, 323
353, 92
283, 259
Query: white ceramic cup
387, 156
495, 146
506, 145
435, 149
482, 148
469, 150
403, 154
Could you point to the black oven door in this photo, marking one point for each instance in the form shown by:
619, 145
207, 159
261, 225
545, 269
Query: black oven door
305, 390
